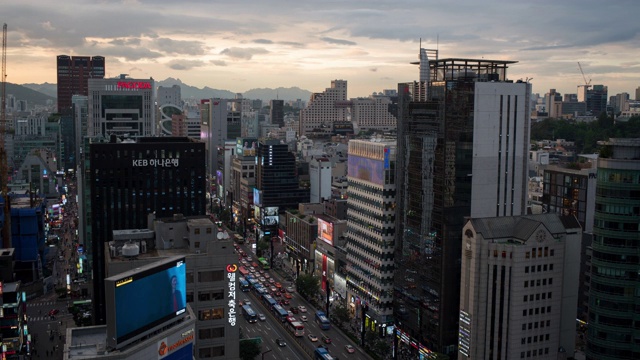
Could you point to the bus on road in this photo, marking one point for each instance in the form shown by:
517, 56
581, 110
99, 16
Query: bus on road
296, 328
322, 354
264, 263
280, 313
322, 320
269, 301
244, 285
249, 314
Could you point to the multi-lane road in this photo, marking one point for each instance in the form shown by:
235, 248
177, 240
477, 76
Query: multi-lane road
302, 347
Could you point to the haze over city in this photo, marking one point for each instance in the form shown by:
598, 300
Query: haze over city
249, 44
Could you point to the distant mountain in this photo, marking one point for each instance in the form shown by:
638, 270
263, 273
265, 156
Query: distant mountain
24, 92
188, 91
46, 88
265, 94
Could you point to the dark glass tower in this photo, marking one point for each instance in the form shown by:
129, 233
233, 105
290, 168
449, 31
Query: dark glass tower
74, 73
130, 180
614, 296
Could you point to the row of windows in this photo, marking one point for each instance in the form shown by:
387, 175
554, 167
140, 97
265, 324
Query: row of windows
539, 268
210, 276
534, 339
197, 231
211, 314
547, 252
538, 296
211, 333
536, 324
532, 353
211, 295
538, 282
536, 311
617, 225
211, 352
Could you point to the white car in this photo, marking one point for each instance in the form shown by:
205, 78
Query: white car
303, 318
290, 289
302, 309
261, 317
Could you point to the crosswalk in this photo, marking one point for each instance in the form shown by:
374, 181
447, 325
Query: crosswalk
42, 303
38, 318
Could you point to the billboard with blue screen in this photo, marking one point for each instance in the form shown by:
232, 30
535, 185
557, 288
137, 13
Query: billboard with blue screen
145, 298
366, 169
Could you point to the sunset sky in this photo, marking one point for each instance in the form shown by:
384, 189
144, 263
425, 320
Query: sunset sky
244, 44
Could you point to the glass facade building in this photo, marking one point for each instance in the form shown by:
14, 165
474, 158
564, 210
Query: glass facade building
614, 297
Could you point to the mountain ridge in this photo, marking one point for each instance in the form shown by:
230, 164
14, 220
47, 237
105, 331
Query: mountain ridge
193, 92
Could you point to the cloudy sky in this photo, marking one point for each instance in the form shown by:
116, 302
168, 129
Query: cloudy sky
244, 44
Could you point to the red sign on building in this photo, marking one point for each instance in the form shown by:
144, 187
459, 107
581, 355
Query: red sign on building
133, 85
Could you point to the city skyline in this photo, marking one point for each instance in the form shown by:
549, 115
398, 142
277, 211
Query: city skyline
252, 44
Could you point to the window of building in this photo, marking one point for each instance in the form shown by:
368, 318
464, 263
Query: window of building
549, 295
196, 231
189, 278
525, 298
524, 326
550, 267
197, 245
210, 276
548, 308
209, 230
546, 337
211, 352
526, 269
526, 283
551, 252
211, 314
550, 281
190, 296
527, 255
211, 333
545, 267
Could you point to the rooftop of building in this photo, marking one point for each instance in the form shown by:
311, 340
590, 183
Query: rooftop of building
25, 201
522, 227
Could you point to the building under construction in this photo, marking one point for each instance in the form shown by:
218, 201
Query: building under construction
463, 137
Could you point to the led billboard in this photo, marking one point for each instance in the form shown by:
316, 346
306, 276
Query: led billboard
246, 146
145, 298
366, 169
325, 231
270, 216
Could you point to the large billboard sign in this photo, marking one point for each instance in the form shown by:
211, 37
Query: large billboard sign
246, 146
366, 169
144, 299
325, 231
270, 216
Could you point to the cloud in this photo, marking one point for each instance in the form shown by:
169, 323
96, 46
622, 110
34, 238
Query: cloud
243, 53
185, 64
373, 69
129, 53
337, 41
125, 41
263, 41
292, 44
218, 62
183, 47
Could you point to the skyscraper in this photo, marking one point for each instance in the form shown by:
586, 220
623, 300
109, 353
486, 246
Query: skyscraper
324, 109
463, 140
614, 328
74, 73
276, 112
370, 230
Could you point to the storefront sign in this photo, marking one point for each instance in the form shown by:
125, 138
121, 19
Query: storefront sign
156, 162
231, 293
133, 85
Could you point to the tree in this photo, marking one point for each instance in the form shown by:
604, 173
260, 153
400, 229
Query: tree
262, 245
341, 314
308, 285
249, 349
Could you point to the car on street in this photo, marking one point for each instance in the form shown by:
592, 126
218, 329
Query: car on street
281, 342
262, 279
350, 349
271, 281
302, 309
291, 318
278, 285
261, 317
249, 258
287, 296
266, 275
273, 289
312, 337
303, 318
247, 302
53, 312
290, 289
326, 339
284, 302
294, 309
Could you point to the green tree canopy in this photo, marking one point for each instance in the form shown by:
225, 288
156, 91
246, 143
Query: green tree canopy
249, 349
308, 285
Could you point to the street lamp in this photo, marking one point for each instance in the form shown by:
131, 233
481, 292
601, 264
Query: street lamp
268, 351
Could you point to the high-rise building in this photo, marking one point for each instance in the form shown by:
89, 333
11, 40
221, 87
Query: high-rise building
320, 179
130, 180
374, 113
519, 287
169, 95
613, 331
371, 231
597, 100
276, 112
121, 106
74, 73
463, 141
323, 109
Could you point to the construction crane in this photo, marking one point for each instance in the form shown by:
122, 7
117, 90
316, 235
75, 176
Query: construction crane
586, 83
4, 171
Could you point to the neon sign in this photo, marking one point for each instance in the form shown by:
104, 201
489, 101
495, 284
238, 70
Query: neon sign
231, 294
133, 85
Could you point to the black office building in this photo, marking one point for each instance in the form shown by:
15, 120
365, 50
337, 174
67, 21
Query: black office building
131, 179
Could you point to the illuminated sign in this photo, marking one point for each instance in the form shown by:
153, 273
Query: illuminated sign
325, 231
124, 281
231, 293
133, 85
164, 349
156, 162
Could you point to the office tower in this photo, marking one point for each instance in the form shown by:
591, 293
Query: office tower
371, 231
463, 141
169, 95
243, 180
553, 104
74, 73
15, 330
613, 297
324, 109
320, 179
596, 99
277, 177
519, 287
374, 113
130, 180
121, 106
276, 112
